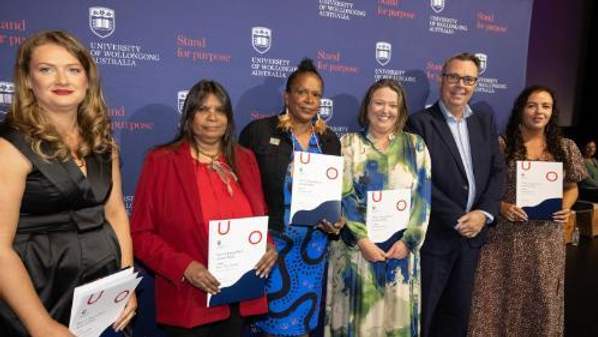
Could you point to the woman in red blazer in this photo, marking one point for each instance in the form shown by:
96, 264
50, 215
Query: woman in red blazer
201, 175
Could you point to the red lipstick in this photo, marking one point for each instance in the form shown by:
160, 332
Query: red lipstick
62, 92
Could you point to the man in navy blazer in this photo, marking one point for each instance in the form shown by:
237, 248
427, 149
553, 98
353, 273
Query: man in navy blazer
467, 186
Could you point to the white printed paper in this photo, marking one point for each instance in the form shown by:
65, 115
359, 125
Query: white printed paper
317, 188
539, 188
387, 213
98, 304
235, 246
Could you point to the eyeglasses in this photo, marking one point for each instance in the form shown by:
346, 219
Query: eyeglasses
454, 78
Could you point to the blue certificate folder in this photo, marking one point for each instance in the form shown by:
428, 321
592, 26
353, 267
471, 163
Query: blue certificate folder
249, 286
329, 210
544, 210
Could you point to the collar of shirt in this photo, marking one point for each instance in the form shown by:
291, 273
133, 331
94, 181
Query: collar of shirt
449, 116
367, 135
371, 138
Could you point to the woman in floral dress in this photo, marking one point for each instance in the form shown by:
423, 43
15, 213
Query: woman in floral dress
519, 285
374, 288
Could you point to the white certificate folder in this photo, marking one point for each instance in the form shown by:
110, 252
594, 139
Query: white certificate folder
98, 304
539, 188
317, 188
387, 213
235, 247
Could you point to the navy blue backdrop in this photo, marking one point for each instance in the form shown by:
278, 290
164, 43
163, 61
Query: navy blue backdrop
151, 51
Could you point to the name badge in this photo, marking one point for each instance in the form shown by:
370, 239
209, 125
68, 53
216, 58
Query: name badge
274, 141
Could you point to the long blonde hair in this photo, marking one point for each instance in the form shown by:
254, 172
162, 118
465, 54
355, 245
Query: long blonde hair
26, 114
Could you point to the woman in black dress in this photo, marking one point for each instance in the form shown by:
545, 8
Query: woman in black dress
62, 217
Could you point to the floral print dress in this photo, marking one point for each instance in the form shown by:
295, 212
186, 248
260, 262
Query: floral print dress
382, 298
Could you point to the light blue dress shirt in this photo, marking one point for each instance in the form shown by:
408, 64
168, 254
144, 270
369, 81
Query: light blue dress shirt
461, 136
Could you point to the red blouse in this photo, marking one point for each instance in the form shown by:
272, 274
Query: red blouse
215, 200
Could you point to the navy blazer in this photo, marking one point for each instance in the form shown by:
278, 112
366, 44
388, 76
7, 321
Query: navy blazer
449, 180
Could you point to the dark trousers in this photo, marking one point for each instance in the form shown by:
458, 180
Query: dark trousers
230, 327
447, 284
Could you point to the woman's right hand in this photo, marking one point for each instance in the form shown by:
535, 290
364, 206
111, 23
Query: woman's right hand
266, 263
512, 213
370, 251
199, 276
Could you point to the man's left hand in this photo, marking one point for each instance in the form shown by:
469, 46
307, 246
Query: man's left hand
471, 223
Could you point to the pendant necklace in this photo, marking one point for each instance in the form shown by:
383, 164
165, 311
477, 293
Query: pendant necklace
212, 157
224, 173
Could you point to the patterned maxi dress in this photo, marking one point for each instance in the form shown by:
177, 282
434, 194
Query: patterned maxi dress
295, 284
378, 299
519, 284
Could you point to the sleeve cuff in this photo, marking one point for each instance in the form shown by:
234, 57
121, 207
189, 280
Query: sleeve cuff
489, 217
175, 273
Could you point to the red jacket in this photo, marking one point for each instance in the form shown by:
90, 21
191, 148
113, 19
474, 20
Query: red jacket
168, 232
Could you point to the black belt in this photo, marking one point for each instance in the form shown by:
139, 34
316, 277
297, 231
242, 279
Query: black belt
82, 220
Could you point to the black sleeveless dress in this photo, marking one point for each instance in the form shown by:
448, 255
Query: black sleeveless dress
63, 237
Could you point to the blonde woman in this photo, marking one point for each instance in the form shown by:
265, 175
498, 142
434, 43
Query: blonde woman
374, 287
62, 217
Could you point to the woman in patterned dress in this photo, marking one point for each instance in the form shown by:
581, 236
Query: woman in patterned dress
295, 284
519, 284
374, 289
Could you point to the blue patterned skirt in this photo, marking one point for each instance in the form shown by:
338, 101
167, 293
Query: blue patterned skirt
295, 283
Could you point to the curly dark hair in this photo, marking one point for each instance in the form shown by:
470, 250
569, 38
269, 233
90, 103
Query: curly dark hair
515, 150
305, 66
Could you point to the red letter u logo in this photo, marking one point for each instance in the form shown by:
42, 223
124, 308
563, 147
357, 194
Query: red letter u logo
223, 232
377, 196
304, 161
91, 300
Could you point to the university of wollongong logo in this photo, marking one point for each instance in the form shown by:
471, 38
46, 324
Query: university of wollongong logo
261, 39
326, 109
102, 21
383, 52
437, 5
483, 61
181, 96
